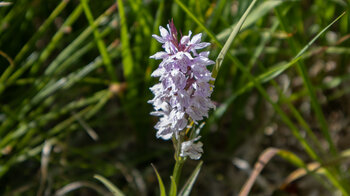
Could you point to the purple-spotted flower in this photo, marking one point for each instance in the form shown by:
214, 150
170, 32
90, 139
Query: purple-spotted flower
184, 90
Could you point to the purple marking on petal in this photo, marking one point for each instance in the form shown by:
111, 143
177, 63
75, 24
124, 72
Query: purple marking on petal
183, 90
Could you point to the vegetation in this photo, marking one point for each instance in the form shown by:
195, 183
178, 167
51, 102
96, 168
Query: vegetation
74, 86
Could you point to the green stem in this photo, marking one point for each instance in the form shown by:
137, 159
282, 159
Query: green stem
176, 174
177, 170
178, 165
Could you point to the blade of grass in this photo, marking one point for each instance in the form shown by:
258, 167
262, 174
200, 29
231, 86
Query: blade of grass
271, 74
65, 82
186, 190
284, 117
143, 33
302, 71
70, 60
71, 48
173, 189
264, 158
127, 59
201, 25
31, 42
216, 14
154, 43
314, 166
229, 41
65, 54
55, 39
212, 36
260, 11
291, 125
100, 44
160, 181
111, 187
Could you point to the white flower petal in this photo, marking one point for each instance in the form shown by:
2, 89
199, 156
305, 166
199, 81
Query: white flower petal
159, 55
204, 54
158, 72
192, 149
201, 45
196, 39
163, 32
158, 38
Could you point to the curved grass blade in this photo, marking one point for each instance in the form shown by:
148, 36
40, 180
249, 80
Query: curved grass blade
111, 187
173, 189
72, 47
55, 39
31, 43
278, 109
229, 41
160, 181
269, 153
186, 190
100, 44
311, 90
270, 73
260, 11
208, 32
127, 59
199, 23
314, 166
263, 159
154, 43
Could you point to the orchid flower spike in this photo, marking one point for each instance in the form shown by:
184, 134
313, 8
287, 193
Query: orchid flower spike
183, 90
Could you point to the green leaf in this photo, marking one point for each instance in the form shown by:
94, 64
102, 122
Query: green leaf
307, 81
111, 187
255, 15
100, 44
311, 167
173, 191
229, 41
127, 59
160, 181
154, 44
263, 160
30, 44
186, 189
291, 157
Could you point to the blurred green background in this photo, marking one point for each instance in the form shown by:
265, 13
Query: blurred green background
74, 85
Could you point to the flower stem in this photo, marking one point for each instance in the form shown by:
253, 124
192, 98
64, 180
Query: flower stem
176, 174
178, 164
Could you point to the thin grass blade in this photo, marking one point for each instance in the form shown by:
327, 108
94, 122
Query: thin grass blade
100, 44
111, 187
186, 190
160, 181
229, 41
173, 190
127, 59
